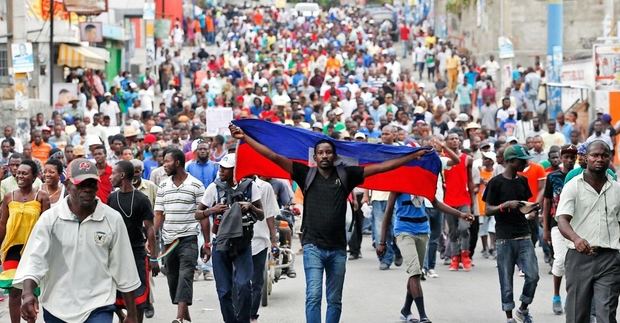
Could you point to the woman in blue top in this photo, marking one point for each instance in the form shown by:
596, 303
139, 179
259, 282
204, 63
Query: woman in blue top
411, 229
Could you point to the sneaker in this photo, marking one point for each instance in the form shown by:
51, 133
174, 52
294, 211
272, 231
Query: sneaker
208, 276
521, 274
423, 276
398, 261
425, 320
355, 256
466, 260
408, 318
384, 266
290, 273
511, 321
485, 254
523, 316
454, 265
177, 321
557, 305
432, 273
149, 311
197, 274
446, 261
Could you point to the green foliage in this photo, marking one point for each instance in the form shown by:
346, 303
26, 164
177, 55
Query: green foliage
457, 6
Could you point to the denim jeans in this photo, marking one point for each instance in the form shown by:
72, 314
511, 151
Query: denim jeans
258, 280
235, 271
520, 252
458, 233
435, 219
333, 263
378, 210
104, 314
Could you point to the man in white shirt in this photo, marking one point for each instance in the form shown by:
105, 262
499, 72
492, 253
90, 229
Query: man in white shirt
110, 108
552, 137
492, 66
588, 216
80, 254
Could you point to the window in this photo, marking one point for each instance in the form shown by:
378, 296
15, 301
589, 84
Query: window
4, 61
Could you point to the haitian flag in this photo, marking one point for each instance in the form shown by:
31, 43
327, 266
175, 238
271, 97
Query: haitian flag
418, 177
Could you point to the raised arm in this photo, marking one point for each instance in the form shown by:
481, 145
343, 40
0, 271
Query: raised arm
388, 165
280, 160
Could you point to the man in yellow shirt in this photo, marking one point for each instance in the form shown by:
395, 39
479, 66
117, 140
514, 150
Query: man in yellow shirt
453, 64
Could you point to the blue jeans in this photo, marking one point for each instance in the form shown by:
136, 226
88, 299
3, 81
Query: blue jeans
435, 219
333, 263
238, 271
258, 280
104, 314
378, 210
520, 252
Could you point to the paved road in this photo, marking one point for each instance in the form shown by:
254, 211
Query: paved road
373, 296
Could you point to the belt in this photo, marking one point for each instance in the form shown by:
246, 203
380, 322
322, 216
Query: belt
602, 250
413, 220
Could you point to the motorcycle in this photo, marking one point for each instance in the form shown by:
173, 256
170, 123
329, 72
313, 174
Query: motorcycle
281, 260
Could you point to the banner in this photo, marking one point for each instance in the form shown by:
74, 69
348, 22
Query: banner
86, 7
22, 57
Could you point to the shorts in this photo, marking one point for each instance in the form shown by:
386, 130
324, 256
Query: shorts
141, 295
486, 222
181, 264
413, 249
558, 242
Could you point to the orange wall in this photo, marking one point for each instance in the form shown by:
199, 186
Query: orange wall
170, 9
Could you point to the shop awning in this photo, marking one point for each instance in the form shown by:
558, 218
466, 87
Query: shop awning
84, 57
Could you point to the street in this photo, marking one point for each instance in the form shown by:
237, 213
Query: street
375, 296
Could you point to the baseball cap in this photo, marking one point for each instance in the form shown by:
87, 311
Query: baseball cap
107, 94
338, 111
568, 149
228, 161
463, 117
489, 154
157, 129
485, 144
472, 125
82, 169
345, 134
511, 139
516, 152
150, 138
317, 125
359, 135
600, 110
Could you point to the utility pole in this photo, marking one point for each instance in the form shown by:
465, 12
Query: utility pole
51, 57
555, 24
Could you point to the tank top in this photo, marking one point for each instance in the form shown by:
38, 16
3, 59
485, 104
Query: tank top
457, 193
410, 214
22, 218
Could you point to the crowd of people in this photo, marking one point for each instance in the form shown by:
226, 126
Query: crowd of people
126, 174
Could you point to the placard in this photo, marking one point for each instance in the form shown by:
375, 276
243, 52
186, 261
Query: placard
218, 120
22, 57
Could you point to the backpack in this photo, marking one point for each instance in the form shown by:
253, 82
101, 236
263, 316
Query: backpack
342, 175
229, 196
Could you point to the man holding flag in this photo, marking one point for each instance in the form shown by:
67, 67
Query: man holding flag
325, 196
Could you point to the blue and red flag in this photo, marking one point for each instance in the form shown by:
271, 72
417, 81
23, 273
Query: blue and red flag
418, 177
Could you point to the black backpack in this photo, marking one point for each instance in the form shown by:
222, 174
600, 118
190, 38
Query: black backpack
229, 196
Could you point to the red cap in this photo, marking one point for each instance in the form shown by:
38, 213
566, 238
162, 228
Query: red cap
150, 139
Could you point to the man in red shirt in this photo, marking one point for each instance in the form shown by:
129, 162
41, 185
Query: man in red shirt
104, 170
459, 194
404, 38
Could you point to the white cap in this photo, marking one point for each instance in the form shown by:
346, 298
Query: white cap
317, 125
228, 161
338, 111
418, 110
107, 94
512, 111
511, 139
489, 154
92, 140
359, 135
156, 129
463, 117
421, 85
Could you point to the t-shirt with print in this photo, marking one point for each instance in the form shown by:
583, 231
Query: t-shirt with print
553, 188
135, 207
512, 223
325, 206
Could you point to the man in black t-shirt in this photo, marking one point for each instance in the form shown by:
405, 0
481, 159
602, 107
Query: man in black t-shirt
505, 197
135, 209
551, 233
324, 240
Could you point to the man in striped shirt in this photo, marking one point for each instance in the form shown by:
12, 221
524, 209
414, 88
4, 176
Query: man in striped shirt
175, 205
